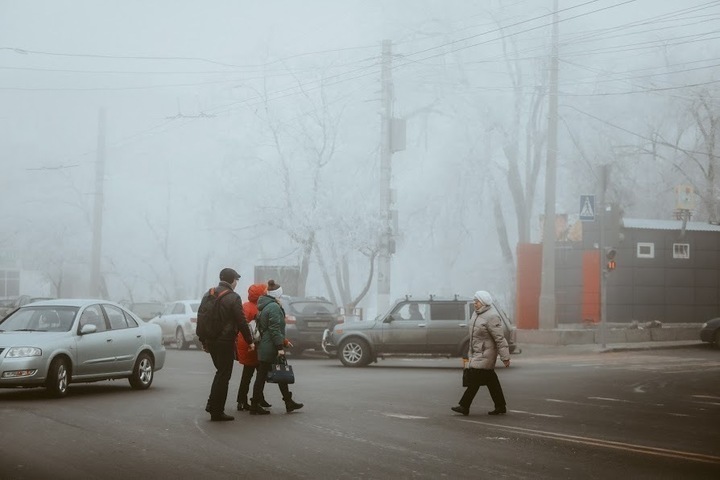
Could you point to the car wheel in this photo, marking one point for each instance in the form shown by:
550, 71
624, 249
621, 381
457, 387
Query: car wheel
354, 352
198, 345
143, 373
180, 341
58, 378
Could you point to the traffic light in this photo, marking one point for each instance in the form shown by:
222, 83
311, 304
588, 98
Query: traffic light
610, 254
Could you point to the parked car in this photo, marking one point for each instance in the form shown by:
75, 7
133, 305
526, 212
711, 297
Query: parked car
7, 306
147, 310
54, 343
710, 332
179, 323
437, 327
306, 318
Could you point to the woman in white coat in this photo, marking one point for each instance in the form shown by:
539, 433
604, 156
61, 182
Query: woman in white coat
486, 343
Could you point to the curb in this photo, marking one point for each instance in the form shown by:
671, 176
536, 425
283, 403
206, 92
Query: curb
654, 346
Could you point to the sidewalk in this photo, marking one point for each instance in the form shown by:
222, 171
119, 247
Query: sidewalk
616, 337
544, 349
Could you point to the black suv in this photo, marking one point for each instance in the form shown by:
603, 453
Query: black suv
306, 318
435, 326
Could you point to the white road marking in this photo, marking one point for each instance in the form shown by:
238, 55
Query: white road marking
536, 414
678, 414
598, 442
403, 416
576, 403
639, 389
609, 399
711, 397
707, 403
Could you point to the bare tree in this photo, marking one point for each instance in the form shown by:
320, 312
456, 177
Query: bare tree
308, 144
691, 147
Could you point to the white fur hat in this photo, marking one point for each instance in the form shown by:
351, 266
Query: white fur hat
484, 297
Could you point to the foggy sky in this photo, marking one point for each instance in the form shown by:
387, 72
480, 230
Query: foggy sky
192, 94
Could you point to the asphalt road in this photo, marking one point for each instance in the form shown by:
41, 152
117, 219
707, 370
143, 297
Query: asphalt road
634, 415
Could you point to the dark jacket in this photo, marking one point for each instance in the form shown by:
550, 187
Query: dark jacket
232, 315
271, 322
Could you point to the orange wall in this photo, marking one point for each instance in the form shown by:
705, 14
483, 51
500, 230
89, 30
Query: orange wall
591, 286
529, 274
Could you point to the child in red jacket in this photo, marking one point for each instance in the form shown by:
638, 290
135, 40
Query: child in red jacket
249, 358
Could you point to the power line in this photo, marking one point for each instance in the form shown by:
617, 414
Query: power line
635, 134
24, 51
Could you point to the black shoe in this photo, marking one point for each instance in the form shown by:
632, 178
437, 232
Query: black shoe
243, 406
258, 410
291, 405
221, 417
461, 409
498, 411
263, 403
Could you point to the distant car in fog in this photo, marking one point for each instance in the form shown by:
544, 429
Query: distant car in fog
55, 343
147, 310
179, 323
7, 306
710, 332
306, 318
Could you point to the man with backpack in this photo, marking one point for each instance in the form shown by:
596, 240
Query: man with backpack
220, 318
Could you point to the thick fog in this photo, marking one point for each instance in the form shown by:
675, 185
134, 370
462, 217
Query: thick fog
246, 133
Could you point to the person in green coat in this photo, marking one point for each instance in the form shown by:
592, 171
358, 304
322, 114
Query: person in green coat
271, 323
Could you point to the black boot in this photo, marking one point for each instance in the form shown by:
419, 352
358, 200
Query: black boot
498, 411
256, 409
262, 403
220, 417
243, 405
291, 405
461, 409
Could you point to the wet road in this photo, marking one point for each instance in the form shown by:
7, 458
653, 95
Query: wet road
652, 414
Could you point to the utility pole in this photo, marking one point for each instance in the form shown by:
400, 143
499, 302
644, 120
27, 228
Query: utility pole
386, 200
547, 307
96, 289
604, 175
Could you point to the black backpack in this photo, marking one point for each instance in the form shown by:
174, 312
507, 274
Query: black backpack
209, 323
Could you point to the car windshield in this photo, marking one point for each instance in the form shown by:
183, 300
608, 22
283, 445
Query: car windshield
40, 319
195, 306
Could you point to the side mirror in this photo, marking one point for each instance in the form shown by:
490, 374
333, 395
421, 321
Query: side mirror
88, 328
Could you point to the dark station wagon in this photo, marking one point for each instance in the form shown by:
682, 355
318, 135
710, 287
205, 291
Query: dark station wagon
306, 318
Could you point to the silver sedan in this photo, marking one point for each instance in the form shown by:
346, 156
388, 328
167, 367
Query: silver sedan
54, 343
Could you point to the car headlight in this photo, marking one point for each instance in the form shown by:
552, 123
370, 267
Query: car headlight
704, 325
17, 352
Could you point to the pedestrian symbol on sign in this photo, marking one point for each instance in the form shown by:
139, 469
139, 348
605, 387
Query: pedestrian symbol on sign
587, 208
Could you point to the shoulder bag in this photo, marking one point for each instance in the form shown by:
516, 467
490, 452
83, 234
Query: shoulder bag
281, 372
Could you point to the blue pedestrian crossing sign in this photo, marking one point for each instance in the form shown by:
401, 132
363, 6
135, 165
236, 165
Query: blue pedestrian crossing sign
587, 208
